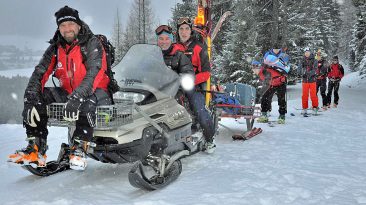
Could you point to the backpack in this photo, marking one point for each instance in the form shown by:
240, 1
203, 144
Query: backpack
110, 56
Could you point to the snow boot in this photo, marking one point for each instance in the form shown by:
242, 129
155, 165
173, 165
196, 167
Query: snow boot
281, 119
77, 156
210, 147
335, 105
304, 112
315, 110
324, 108
263, 118
34, 153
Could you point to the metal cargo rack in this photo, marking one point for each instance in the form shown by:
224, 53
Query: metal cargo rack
108, 116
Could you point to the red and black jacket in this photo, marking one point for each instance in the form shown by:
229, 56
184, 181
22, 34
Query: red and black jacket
307, 69
275, 78
78, 75
198, 55
322, 70
336, 71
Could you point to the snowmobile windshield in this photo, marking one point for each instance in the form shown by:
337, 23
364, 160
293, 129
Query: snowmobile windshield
142, 70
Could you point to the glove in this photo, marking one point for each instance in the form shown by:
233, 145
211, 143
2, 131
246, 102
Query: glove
32, 108
71, 108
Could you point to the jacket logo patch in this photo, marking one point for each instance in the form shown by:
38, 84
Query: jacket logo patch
59, 64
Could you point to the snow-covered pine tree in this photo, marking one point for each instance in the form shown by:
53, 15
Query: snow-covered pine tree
358, 53
140, 26
218, 9
188, 8
234, 62
348, 11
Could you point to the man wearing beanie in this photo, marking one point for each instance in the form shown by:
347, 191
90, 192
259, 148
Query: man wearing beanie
335, 74
175, 59
77, 59
196, 51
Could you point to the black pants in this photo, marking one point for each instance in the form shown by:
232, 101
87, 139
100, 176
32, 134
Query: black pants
281, 95
197, 104
321, 84
84, 128
333, 85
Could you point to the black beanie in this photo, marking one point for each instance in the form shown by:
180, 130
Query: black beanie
335, 57
67, 14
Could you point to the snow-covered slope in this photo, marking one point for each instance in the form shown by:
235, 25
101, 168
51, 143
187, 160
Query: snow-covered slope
315, 160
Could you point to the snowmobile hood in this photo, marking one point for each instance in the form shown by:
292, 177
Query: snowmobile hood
142, 70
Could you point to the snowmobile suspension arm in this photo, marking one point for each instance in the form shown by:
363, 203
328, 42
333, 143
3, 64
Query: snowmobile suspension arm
151, 121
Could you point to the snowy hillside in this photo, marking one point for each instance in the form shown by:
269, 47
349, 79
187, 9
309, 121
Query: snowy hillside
315, 160
24, 72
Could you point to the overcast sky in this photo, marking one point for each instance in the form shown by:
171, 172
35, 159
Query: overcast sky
31, 22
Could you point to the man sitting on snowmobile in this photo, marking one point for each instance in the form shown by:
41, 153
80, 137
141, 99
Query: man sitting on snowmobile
177, 61
83, 86
196, 51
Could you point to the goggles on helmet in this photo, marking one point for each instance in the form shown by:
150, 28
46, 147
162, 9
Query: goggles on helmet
163, 28
184, 20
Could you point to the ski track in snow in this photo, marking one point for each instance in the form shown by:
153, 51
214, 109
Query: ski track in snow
315, 160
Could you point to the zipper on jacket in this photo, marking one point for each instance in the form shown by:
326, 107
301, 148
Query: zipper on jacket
67, 64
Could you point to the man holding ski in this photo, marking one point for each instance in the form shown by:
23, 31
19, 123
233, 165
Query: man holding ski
273, 75
176, 60
196, 51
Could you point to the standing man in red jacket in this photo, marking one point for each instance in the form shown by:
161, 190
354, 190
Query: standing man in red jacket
335, 74
83, 86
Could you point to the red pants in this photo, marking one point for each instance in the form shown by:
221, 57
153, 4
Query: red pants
306, 89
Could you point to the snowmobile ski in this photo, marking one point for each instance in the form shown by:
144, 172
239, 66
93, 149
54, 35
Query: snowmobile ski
138, 179
247, 135
51, 168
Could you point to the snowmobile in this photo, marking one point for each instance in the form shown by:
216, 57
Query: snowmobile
145, 125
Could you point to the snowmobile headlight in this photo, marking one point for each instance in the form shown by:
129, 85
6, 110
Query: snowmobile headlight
136, 97
187, 81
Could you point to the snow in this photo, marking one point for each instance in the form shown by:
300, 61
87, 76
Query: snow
315, 160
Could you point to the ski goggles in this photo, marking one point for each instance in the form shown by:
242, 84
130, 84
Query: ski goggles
163, 28
184, 20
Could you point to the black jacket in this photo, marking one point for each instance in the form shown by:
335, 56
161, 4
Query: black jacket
322, 69
177, 61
